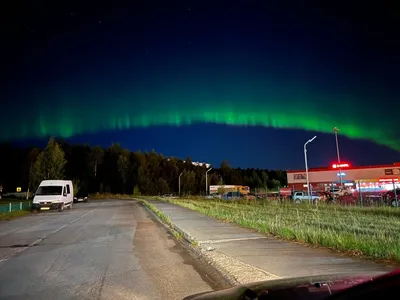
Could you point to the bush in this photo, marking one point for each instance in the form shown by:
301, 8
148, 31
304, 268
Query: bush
136, 191
102, 196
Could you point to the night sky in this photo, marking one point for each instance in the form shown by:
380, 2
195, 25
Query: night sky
245, 81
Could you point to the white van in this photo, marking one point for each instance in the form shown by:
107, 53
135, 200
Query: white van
53, 194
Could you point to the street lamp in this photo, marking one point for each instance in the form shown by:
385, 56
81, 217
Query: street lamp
306, 163
180, 184
206, 180
336, 130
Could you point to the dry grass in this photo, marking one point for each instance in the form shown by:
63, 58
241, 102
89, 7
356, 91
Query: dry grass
103, 196
368, 231
12, 215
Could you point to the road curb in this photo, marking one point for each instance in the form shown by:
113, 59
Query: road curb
185, 238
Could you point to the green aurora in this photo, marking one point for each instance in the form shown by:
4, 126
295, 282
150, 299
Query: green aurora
235, 104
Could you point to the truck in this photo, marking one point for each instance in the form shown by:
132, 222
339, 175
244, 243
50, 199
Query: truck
216, 189
53, 194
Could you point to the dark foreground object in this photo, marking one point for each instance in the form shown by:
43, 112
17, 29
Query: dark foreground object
322, 287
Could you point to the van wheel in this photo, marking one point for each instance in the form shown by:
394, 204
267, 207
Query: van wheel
61, 207
297, 201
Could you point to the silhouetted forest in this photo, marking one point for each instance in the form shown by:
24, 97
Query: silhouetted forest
118, 170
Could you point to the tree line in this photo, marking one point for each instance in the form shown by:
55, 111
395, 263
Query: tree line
118, 170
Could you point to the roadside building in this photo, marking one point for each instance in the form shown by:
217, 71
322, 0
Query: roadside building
379, 177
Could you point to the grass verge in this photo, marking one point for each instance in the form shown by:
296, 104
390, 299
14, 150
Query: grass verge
163, 218
103, 196
12, 215
372, 232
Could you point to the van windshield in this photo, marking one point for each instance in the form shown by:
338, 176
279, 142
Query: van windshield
49, 190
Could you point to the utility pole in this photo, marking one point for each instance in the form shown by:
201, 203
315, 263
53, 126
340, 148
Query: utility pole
95, 169
206, 180
336, 130
306, 163
179, 180
29, 181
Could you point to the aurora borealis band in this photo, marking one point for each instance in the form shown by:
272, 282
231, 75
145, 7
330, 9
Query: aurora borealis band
233, 105
83, 69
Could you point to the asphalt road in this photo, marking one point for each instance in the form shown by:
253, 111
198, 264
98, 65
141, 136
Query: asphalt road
98, 250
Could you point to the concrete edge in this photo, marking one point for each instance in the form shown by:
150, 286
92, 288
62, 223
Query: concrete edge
189, 242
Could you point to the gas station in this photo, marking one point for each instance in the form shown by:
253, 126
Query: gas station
378, 178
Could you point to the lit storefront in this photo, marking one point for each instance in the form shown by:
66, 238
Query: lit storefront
381, 177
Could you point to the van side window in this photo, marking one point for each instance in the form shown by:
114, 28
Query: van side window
64, 191
68, 189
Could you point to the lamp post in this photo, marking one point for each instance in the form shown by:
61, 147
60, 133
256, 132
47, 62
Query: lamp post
180, 184
336, 130
306, 163
206, 180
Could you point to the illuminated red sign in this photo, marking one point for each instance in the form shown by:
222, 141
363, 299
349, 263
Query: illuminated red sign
388, 179
336, 166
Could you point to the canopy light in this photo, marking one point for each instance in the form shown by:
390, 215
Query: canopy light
337, 166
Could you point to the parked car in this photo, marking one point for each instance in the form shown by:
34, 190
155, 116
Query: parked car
390, 197
300, 197
250, 196
214, 196
170, 196
327, 197
233, 196
81, 196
